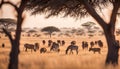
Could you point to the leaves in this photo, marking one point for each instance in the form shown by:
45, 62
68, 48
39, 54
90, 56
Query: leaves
88, 24
73, 8
50, 29
7, 22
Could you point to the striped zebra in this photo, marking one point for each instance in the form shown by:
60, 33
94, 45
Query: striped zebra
31, 46
72, 47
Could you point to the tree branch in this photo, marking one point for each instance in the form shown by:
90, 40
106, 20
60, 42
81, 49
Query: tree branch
20, 19
1, 3
94, 14
113, 16
16, 8
8, 34
114, 13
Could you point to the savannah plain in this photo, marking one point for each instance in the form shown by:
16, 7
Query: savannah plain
54, 60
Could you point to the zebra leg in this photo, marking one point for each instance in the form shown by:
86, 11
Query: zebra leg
50, 49
71, 51
77, 51
26, 49
66, 51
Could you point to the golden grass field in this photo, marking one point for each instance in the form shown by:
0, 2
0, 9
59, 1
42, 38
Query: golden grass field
53, 60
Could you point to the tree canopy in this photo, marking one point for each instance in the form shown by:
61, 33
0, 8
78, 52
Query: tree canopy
73, 8
50, 29
7, 23
88, 24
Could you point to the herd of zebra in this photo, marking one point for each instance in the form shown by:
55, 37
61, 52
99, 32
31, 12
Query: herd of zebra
55, 46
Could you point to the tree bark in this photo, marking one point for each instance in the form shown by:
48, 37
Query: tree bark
109, 29
113, 47
14, 56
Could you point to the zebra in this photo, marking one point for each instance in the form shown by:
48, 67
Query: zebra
49, 43
84, 45
43, 50
72, 47
63, 42
43, 41
55, 47
31, 46
92, 44
95, 50
100, 43
59, 42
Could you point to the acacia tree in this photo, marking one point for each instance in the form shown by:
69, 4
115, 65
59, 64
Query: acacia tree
82, 8
50, 30
73, 31
7, 23
88, 25
15, 42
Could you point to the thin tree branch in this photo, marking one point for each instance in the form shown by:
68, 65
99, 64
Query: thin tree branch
8, 34
94, 14
113, 16
114, 13
16, 8
1, 3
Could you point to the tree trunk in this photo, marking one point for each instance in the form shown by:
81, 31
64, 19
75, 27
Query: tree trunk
14, 56
113, 48
109, 29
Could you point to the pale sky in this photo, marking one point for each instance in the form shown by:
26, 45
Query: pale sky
40, 21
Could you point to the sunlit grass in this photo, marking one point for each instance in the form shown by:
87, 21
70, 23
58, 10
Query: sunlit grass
53, 60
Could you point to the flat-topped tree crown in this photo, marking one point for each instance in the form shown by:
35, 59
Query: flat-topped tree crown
50, 29
7, 23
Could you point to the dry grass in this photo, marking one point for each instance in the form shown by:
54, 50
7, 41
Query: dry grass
53, 60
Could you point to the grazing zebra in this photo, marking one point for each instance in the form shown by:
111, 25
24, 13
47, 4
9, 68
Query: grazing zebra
49, 43
37, 46
72, 47
43, 42
95, 50
55, 47
92, 44
43, 50
59, 42
100, 43
84, 45
31, 46
63, 42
